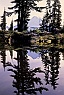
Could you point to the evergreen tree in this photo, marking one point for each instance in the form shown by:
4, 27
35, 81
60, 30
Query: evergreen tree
56, 15
47, 17
22, 8
52, 17
3, 21
45, 21
11, 26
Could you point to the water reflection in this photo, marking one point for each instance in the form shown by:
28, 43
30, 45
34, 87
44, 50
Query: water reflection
24, 78
3, 58
51, 63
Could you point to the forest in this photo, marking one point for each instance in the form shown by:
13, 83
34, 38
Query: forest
50, 23
31, 62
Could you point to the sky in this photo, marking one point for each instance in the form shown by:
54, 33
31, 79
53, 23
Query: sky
6, 4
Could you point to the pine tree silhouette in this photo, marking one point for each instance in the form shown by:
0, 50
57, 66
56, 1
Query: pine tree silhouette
52, 20
23, 9
3, 21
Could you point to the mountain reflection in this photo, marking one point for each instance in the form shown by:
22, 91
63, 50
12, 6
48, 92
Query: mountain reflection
25, 79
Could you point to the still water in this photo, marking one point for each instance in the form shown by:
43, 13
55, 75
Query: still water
32, 71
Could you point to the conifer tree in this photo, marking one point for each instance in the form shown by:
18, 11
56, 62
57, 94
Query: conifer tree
45, 21
47, 17
23, 8
11, 26
3, 21
56, 15
52, 17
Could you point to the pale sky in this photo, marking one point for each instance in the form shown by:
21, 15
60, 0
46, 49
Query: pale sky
6, 3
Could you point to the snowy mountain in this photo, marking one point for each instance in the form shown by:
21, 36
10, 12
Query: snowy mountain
34, 23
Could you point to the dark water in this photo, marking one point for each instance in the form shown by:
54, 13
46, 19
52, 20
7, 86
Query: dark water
31, 71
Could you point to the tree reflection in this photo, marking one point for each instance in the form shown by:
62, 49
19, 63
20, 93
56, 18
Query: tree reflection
3, 53
51, 63
3, 58
11, 53
62, 54
25, 79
